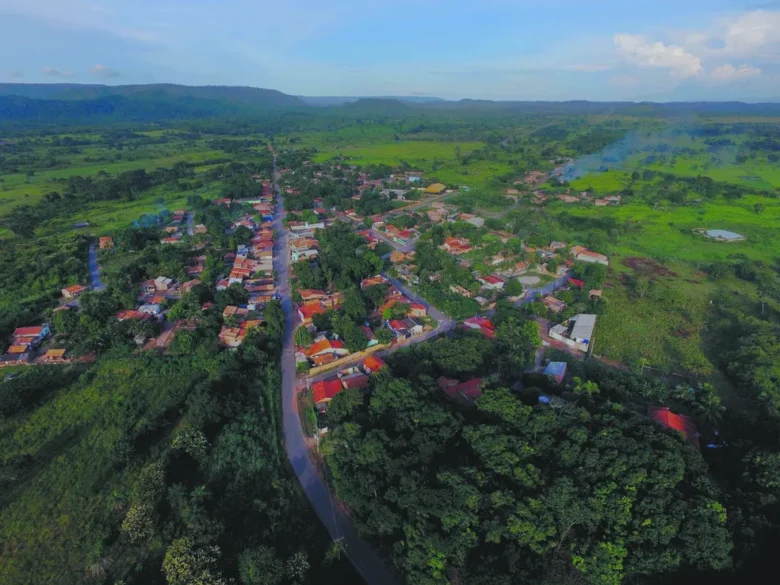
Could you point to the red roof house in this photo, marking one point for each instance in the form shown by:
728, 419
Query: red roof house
465, 393
678, 422
577, 283
325, 390
373, 364
482, 325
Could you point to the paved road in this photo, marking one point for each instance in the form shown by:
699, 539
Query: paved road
94, 269
190, 225
365, 561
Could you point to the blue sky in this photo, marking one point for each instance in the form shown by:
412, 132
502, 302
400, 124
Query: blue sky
491, 49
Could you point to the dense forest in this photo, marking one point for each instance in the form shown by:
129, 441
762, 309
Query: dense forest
580, 488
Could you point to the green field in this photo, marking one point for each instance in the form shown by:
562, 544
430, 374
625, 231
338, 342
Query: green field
666, 233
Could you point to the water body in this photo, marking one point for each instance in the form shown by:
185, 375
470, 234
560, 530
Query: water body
724, 235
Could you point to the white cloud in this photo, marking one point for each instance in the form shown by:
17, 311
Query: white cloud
728, 72
636, 49
103, 71
750, 35
54, 72
753, 34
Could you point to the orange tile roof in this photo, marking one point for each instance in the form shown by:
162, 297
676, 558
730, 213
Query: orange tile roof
28, 331
374, 363
326, 389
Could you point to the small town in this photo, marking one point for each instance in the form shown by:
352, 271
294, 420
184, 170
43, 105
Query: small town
367, 306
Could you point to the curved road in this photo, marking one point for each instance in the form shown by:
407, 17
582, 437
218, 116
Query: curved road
365, 561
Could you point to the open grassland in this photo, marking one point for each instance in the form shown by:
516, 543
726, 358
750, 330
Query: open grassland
665, 327
666, 233
19, 189
421, 154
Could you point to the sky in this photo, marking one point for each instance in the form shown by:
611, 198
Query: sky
605, 50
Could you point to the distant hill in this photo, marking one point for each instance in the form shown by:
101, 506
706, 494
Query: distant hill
324, 101
251, 96
120, 109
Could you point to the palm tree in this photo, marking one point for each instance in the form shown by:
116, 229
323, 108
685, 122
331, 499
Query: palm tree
708, 405
99, 563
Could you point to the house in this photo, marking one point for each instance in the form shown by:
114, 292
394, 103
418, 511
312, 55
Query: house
308, 294
201, 229
31, 336
230, 336
459, 290
307, 311
130, 314
568, 198
170, 240
556, 370
553, 304
373, 281
465, 393
189, 285
534, 177
323, 346
417, 310
482, 325
151, 309
492, 282
55, 356
584, 255
163, 283
106, 243
325, 390
456, 245
435, 189
234, 311
595, 294
472, 219
576, 283
600, 202
20, 359
357, 381
371, 339
576, 332
397, 257
372, 364
677, 422
405, 328
71, 292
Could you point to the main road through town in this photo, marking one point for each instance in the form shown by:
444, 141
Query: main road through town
366, 562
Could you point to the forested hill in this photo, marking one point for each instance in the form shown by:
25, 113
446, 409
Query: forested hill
250, 96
